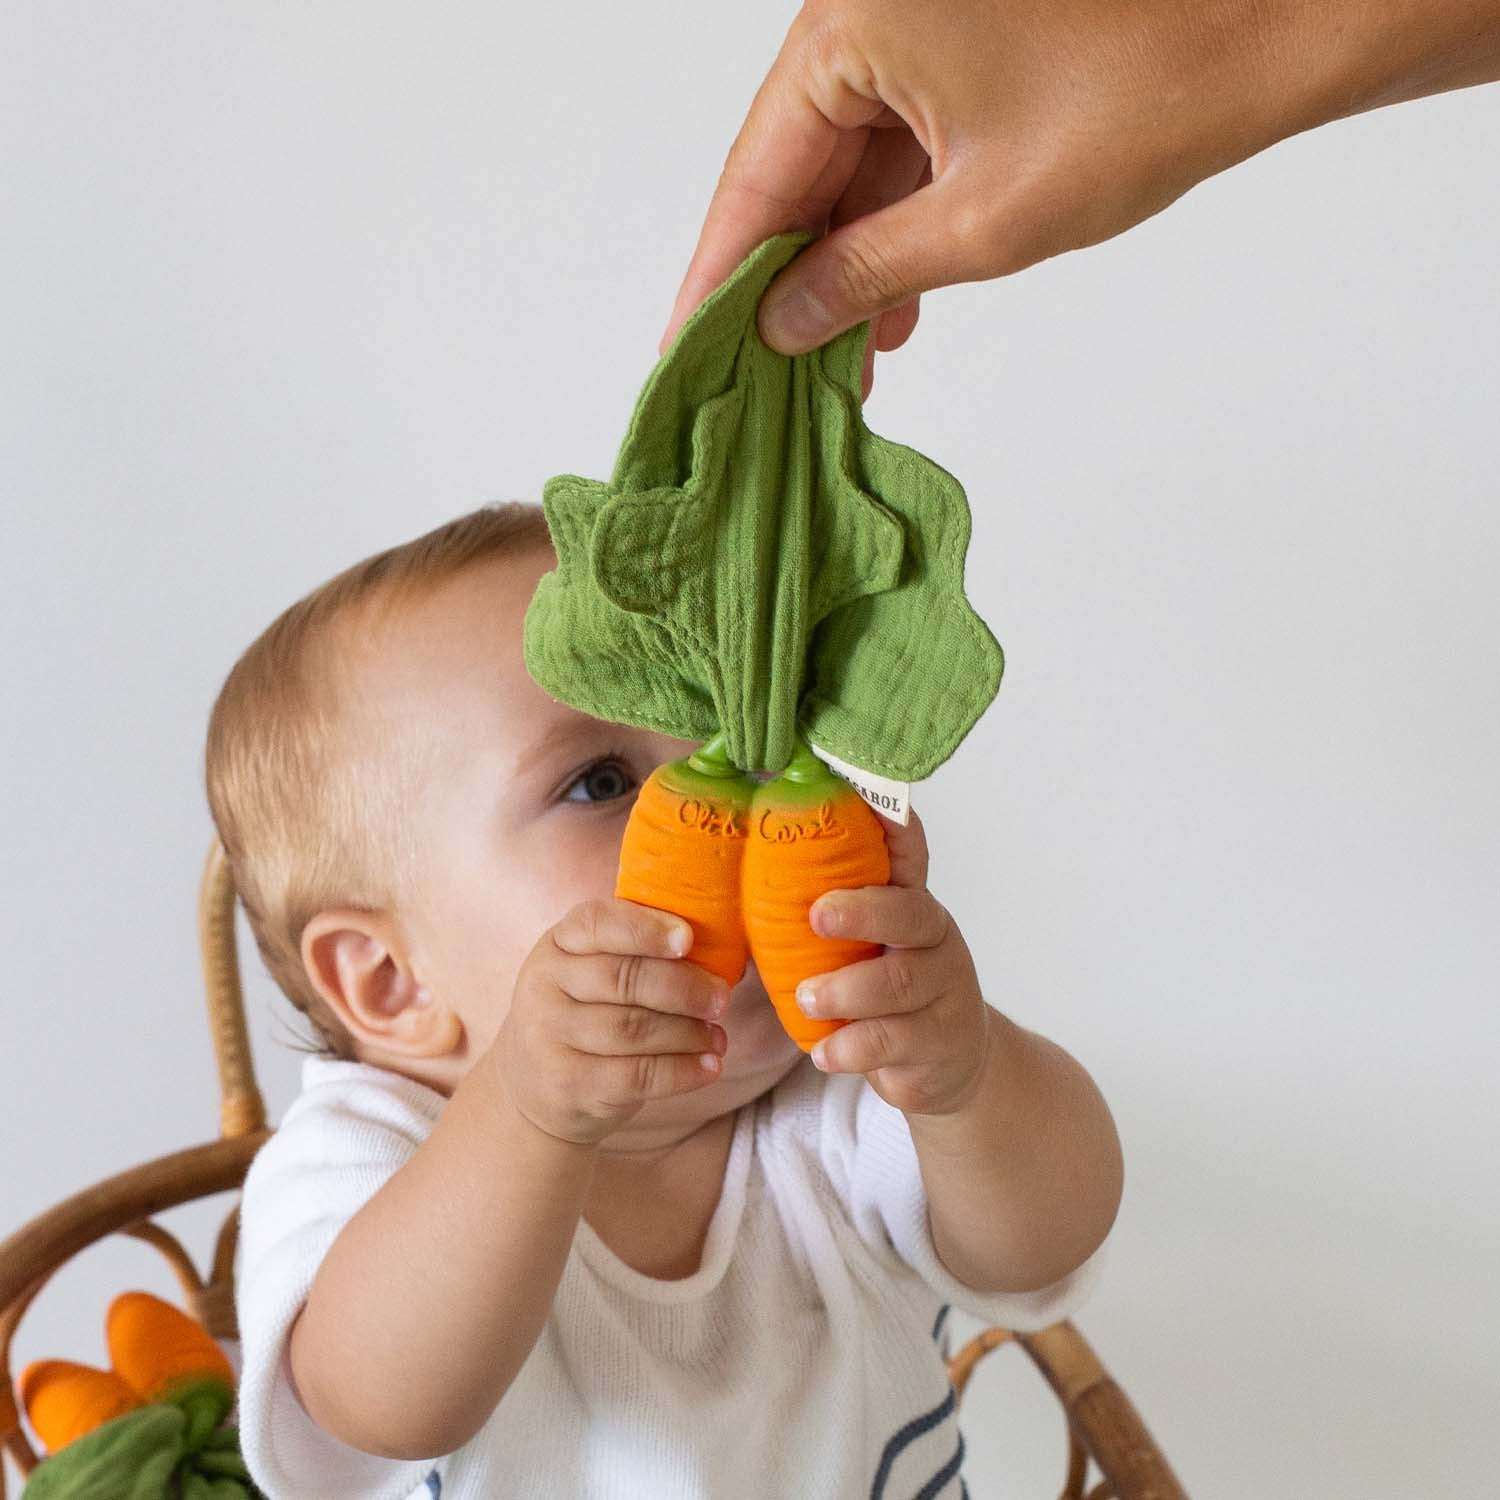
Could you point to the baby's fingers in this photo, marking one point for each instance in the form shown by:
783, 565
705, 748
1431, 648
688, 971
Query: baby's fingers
621, 1055
619, 926
622, 1034
889, 914
674, 986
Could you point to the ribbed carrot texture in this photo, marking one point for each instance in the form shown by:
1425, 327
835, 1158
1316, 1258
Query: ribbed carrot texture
682, 850
810, 832
743, 863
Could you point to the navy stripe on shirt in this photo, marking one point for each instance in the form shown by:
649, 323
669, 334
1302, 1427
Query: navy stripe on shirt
914, 1429
908, 1435
939, 1328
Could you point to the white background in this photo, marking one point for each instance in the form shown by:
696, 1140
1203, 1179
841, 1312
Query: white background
281, 286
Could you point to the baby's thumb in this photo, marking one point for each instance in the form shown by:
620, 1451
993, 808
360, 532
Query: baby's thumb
862, 268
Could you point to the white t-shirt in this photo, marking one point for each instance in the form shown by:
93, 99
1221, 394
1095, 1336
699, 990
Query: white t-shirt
804, 1358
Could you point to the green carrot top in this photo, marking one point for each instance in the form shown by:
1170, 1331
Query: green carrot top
760, 561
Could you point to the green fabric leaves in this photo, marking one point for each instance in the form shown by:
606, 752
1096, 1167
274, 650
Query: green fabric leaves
760, 560
169, 1450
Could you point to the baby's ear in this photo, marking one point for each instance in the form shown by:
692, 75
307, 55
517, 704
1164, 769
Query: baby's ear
356, 961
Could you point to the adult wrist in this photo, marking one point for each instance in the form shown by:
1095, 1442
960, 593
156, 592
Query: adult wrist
1340, 58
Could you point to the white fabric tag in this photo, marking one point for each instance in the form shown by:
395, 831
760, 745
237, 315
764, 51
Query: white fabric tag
890, 798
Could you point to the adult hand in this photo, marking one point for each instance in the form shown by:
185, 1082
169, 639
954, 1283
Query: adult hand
939, 141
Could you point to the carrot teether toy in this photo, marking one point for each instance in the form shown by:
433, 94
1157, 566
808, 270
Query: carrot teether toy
810, 832
743, 863
64, 1400
682, 852
762, 574
149, 1426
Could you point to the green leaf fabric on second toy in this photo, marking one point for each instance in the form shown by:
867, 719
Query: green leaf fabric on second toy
760, 561
151, 1453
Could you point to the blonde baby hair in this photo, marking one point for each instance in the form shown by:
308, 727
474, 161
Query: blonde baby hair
310, 816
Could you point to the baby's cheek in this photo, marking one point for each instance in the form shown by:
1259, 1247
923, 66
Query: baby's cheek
484, 998
482, 1031
582, 861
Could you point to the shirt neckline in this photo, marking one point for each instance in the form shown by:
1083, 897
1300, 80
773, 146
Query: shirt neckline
718, 1244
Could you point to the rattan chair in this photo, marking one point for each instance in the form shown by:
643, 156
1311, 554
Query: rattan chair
1102, 1426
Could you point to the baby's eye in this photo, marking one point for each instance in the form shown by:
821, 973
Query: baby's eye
603, 781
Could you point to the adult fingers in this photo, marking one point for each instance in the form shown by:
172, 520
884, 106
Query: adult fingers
736, 225
894, 164
893, 328
790, 163
872, 265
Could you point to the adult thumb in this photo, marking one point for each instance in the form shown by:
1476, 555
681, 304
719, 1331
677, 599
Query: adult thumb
863, 268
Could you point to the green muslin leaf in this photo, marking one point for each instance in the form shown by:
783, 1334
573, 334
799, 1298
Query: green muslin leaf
144, 1455
583, 650
760, 561
205, 1400
923, 640
131, 1457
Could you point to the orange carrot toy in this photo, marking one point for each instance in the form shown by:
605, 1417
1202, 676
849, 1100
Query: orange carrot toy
64, 1400
682, 851
743, 863
158, 1350
810, 832
147, 1427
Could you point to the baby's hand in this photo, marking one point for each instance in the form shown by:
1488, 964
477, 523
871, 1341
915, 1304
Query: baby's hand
606, 1015
918, 1027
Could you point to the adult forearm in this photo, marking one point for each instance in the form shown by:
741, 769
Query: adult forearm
433, 1295
1336, 58
1024, 1181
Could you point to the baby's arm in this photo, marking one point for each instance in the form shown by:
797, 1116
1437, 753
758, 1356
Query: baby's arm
432, 1296
1018, 1150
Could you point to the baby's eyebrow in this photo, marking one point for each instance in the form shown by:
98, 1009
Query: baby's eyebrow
555, 741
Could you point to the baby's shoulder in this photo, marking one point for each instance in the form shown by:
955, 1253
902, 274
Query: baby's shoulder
348, 1130
346, 1114
334, 1086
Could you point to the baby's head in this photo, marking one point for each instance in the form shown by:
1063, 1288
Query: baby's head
405, 812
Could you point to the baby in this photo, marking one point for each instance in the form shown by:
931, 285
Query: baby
515, 1237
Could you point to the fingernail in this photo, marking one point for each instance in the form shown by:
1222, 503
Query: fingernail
796, 318
679, 940
820, 1056
825, 917
807, 998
